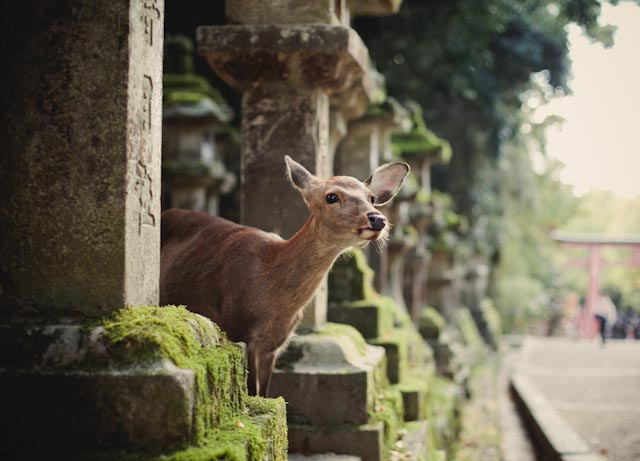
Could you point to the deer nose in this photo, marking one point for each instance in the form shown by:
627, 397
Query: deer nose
376, 221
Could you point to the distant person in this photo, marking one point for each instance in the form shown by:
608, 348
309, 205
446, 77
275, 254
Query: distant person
605, 312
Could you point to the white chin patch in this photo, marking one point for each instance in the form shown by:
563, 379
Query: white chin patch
369, 234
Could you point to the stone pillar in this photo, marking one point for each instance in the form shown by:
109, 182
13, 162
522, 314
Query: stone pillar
80, 159
80, 232
286, 73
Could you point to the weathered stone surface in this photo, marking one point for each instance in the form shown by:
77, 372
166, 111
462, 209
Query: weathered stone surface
365, 441
80, 158
281, 11
354, 100
334, 367
351, 279
397, 355
107, 409
329, 57
367, 319
116, 385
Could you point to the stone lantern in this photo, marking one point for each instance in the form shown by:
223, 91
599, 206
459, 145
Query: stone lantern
419, 147
195, 123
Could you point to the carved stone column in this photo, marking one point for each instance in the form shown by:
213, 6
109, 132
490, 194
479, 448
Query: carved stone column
80, 131
80, 158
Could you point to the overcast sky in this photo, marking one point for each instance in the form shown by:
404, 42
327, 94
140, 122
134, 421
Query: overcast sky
600, 141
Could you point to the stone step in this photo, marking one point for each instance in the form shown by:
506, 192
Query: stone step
329, 377
364, 441
323, 457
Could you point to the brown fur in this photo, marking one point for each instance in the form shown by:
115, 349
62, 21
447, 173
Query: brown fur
253, 284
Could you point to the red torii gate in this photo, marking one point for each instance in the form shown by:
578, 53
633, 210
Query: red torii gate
594, 263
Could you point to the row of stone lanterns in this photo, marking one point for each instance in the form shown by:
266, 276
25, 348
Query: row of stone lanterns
309, 91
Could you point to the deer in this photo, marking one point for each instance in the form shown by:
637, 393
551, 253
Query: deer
253, 284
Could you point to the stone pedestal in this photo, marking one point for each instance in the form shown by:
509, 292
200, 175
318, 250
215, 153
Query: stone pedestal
335, 365
80, 161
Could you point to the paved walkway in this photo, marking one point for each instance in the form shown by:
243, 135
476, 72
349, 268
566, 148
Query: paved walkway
595, 389
516, 445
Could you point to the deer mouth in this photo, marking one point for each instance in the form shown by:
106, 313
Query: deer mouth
367, 233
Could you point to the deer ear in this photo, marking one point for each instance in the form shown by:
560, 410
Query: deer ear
297, 174
386, 181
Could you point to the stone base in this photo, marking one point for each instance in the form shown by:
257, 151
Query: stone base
145, 383
333, 365
141, 410
366, 441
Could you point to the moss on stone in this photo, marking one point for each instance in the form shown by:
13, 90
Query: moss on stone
337, 330
388, 409
271, 416
468, 328
351, 278
444, 405
147, 334
492, 317
192, 170
432, 323
420, 141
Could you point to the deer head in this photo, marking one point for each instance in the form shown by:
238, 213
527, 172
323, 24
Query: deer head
344, 207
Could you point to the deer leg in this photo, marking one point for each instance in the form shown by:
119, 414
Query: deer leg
267, 363
253, 385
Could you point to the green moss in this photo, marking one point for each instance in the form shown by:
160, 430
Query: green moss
184, 89
192, 169
351, 278
431, 318
492, 317
178, 54
337, 330
468, 328
444, 242
444, 406
271, 416
148, 334
257, 435
420, 141
389, 410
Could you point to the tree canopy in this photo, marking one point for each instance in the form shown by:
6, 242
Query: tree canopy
479, 68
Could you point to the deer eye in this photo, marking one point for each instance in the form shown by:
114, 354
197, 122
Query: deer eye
332, 198
373, 200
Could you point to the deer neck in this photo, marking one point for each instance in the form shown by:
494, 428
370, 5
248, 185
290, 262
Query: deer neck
305, 259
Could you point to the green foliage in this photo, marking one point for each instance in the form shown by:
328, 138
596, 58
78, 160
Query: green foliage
471, 65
